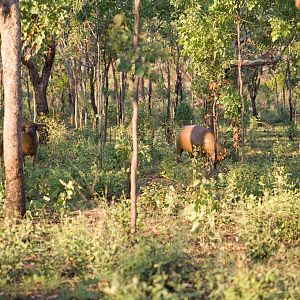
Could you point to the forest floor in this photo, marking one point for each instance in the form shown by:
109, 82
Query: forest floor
234, 234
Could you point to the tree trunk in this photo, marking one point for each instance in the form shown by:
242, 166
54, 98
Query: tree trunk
289, 87
100, 102
84, 90
142, 86
76, 104
106, 87
11, 58
134, 161
28, 97
178, 84
253, 88
1, 87
240, 80
40, 83
277, 93
116, 91
150, 96
92, 90
169, 93
72, 99
122, 97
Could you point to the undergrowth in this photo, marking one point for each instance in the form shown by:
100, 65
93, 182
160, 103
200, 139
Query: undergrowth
202, 234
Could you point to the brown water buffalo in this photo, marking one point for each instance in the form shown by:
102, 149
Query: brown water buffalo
195, 136
30, 142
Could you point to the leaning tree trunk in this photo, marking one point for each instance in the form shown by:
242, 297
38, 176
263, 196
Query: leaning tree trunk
10, 30
40, 82
134, 161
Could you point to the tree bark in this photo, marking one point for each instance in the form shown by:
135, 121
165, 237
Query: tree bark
116, 91
253, 88
100, 102
10, 30
178, 84
142, 87
72, 99
1, 86
240, 80
40, 83
134, 161
92, 90
28, 97
150, 96
289, 87
169, 93
122, 97
106, 87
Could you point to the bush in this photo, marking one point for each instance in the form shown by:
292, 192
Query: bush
184, 114
275, 222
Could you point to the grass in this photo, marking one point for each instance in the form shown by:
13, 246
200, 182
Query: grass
74, 243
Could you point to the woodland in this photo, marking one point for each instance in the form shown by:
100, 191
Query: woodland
95, 202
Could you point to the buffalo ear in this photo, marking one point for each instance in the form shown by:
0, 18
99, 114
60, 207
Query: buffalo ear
23, 127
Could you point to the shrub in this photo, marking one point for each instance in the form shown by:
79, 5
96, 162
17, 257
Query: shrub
184, 114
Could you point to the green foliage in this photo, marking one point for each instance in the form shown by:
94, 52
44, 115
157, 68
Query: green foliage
293, 131
156, 198
36, 253
273, 225
150, 271
231, 100
41, 20
253, 126
184, 114
147, 53
203, 209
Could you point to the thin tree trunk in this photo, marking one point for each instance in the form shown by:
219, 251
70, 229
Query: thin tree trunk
289, 86
28, 96
72, 100
62, 100
215, 126
84, 89
134, 161
122, 96
10, 30
116, 91
277, 92
92, 90
169, 93
253, 88
142, 87
150, 96
99, 103
106, 87
239, 54
76, 103
178, 85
